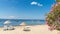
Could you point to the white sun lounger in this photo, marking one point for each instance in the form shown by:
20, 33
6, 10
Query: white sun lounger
5, 28
26, 28
10, 28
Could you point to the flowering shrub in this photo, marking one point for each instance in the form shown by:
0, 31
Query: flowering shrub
53, 17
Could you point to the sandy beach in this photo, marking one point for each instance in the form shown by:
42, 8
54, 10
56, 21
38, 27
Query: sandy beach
36, 29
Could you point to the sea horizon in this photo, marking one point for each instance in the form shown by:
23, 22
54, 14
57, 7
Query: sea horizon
16, 22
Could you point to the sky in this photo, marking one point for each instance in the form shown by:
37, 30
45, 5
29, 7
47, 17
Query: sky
25, 9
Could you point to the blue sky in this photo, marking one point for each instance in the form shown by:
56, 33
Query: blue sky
25, 9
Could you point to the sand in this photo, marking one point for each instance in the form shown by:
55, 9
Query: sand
36, 29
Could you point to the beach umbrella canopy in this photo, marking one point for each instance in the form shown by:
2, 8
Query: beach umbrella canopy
7, 22
23, 24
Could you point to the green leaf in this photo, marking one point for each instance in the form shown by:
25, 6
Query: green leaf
58, 29
58, 0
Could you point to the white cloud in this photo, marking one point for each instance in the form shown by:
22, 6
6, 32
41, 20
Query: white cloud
13, 17
40, 4
33, 3
9, 17
36, 3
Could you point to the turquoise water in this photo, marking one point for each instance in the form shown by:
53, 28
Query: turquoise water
16, 22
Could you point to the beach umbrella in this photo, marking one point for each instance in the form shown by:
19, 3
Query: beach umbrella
23, 24
7, 22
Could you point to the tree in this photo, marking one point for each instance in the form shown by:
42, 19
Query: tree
53, 17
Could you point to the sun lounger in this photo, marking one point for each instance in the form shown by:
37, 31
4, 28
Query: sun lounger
10, 28
26, 28
5, 28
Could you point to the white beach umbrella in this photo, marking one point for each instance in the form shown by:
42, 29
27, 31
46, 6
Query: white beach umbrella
23, 24
7, 22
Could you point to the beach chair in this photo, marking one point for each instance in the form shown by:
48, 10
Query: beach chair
5, 28
26, 28
10, 28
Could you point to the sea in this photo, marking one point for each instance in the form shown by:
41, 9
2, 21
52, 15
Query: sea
16, 22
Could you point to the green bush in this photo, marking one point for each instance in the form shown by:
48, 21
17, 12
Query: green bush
53, 17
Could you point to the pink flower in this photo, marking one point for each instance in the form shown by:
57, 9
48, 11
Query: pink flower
58, 2
59, 18
46, 22
51, 10
50, 28
49, 25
